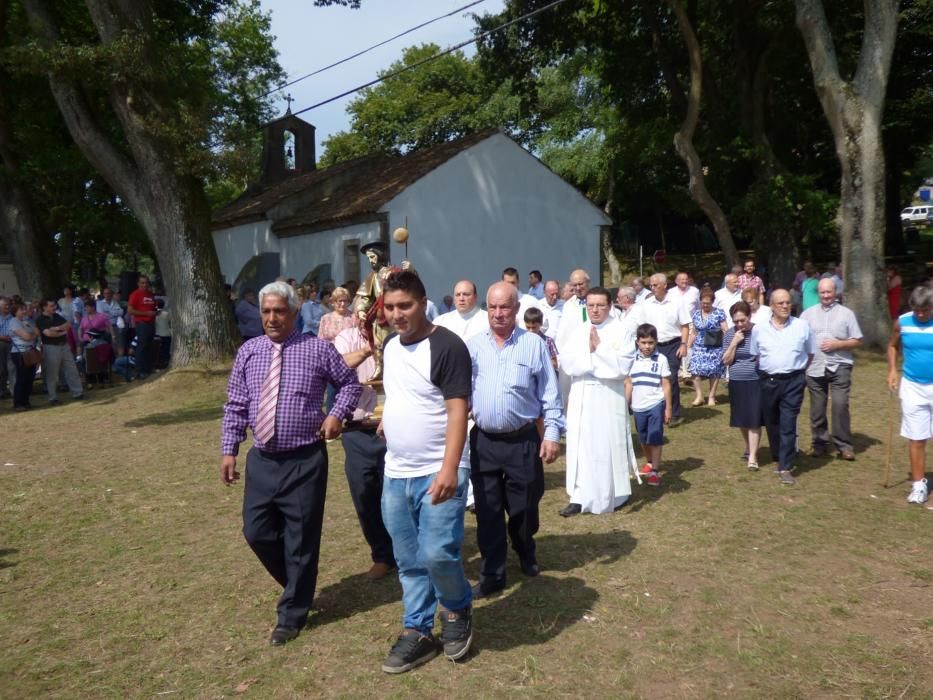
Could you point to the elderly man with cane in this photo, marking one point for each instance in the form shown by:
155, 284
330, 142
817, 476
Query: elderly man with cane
913, 334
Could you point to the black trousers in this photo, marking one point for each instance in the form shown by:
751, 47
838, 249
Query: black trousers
145, 341
508, 479
283, 510
364, 465
669, 350
22, 388
781, 399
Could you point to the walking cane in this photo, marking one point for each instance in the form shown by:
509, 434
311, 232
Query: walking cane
891, 418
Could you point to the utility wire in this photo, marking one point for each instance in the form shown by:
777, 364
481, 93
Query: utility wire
398, 72
374, 46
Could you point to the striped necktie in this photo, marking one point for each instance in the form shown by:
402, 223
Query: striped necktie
265, 417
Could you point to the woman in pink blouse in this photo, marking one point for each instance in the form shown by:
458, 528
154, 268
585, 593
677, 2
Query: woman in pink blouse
338, 319
99, 342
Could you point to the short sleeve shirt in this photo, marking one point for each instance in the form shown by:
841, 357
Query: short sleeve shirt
418, 378
45, 322
646, 376
144, 301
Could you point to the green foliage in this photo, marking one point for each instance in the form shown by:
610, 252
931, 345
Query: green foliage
789, 203
433, 103
197, 76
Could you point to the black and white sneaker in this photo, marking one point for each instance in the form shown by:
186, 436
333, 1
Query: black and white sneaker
411, 649
457, 632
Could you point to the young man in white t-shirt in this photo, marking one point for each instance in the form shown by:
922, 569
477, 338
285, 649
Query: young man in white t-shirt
648, 392
428, 382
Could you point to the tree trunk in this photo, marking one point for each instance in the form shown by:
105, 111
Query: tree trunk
854, 111
178, 222
66, 255
683, 141
171, 206
30, 247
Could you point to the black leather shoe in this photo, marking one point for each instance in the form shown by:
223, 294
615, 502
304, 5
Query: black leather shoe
571, 510
479, 591
530, 568
281, 635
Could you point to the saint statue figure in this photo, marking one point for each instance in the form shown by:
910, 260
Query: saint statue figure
373, 323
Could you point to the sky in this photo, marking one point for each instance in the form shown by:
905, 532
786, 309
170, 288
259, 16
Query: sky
309, 37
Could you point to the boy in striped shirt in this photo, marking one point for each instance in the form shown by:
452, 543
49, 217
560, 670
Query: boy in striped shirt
648, 392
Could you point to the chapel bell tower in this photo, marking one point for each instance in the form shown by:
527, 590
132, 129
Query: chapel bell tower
287, 148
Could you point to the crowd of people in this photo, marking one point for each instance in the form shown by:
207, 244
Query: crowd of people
77, 341
478, 399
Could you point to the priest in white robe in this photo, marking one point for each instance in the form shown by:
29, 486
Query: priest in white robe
572, 317
467, 319
597, 356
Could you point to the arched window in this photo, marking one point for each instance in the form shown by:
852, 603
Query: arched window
258, 271
288, 149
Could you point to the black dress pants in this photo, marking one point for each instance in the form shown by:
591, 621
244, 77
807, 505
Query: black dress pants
781, 399
283, 511
508, 480
669, 350
364, 465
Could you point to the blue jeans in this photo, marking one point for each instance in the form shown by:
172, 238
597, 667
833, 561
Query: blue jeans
427, 540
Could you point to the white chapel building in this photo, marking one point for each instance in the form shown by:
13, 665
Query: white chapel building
472, 207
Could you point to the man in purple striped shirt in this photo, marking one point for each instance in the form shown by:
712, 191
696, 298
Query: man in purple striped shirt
286, 469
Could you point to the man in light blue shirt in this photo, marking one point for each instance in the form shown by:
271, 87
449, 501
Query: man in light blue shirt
514, 384
784, 346
311, 311
535, 285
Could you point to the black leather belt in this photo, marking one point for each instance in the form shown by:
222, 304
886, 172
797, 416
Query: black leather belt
670, 342
512, 433
785, 375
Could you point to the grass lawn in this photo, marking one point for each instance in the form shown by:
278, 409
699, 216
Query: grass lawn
123, 572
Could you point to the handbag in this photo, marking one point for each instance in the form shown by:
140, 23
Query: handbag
31, 357
713, 338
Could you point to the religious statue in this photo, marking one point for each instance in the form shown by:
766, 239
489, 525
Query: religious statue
373, 323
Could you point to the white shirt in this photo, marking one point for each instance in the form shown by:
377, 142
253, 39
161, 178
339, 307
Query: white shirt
724, 299
667, 316
782, 350
642, 295
466, 325
552, 316
690, 297
763, 315
525, 302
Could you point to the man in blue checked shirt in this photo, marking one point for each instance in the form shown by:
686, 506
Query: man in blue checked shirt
514, 384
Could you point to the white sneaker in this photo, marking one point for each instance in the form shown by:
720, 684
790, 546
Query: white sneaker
919, 492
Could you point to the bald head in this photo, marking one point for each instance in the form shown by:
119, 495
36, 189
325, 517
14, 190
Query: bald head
502, 308
464, 296
579, 283
551, 291
827, 291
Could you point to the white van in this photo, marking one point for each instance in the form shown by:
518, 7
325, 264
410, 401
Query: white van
915, 215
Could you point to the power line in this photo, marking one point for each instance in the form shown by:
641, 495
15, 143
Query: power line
398, 72
374, 46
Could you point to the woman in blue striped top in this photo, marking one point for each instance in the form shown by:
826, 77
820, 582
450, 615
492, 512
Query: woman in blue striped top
744, 386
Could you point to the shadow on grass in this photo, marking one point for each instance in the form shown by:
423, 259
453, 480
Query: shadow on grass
6, 553
690, 414
672, 481
557, 552
534, 612
352, 595
191, 414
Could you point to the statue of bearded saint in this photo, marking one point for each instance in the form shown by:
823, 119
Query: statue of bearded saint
373, 324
